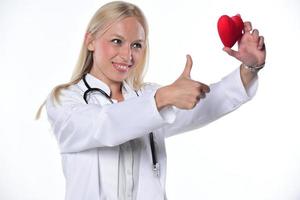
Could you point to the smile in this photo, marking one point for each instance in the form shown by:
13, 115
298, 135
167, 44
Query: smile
121, 67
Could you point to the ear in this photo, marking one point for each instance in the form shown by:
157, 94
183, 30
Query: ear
89, 41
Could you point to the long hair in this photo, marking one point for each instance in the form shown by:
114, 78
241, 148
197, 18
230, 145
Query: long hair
100, 22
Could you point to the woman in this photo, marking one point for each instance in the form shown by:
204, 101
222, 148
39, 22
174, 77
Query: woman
111, 127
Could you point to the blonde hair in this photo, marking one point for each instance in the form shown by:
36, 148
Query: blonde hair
100, 22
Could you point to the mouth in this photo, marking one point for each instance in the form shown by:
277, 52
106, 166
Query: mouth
122, 67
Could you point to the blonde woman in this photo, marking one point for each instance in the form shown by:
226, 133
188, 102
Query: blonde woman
111, 127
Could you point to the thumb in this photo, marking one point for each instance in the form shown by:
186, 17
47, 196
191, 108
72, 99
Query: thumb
188, 67
230, 52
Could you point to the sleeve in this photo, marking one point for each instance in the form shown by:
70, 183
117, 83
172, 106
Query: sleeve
79, 126
224, 97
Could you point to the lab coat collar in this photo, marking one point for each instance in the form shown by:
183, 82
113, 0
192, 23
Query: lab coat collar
126, 87
97, 83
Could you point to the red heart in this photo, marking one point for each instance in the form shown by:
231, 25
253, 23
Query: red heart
230, 29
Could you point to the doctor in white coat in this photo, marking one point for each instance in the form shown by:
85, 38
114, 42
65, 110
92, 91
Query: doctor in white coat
111, 127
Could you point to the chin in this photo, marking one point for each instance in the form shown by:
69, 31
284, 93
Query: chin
120, 79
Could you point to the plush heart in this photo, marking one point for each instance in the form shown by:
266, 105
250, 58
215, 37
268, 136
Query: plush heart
230, 29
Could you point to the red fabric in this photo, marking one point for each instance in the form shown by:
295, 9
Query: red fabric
230, 29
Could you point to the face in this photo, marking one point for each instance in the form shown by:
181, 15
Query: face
118, 50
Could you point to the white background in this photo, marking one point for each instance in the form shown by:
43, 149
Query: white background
251, 154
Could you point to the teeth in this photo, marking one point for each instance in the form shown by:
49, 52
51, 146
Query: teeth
121, 67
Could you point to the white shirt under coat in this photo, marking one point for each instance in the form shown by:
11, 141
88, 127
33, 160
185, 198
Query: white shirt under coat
93, 137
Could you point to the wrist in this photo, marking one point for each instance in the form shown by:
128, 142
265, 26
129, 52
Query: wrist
247, 76
253, 68
161, 98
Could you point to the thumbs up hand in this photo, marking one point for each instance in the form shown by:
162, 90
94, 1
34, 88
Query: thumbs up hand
184, 93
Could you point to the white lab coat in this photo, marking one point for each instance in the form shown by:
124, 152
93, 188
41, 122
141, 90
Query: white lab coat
89, 135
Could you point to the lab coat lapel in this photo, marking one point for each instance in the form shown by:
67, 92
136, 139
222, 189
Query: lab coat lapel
127, 91
108, 156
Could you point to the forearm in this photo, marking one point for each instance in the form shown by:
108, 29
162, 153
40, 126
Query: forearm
224, 97
79, 126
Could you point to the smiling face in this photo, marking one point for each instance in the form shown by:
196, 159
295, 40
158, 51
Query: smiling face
117, 51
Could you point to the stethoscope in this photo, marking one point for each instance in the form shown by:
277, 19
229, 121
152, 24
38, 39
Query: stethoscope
155, 165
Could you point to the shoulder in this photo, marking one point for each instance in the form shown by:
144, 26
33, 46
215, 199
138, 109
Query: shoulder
68, 96
69, 99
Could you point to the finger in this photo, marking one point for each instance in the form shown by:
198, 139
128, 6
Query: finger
202, 95
188, 67
255, 34
261, 43
205, 88
247, 27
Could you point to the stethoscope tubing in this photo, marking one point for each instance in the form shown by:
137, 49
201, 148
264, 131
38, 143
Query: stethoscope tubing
151, 137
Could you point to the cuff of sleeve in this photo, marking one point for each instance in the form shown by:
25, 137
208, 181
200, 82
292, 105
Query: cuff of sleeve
236, 89
166, 114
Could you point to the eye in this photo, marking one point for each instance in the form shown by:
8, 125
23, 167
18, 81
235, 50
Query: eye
136, 45
116, 41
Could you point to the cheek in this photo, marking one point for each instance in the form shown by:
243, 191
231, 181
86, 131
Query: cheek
104, 51
138, 56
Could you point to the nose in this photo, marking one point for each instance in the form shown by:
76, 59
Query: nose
126, 53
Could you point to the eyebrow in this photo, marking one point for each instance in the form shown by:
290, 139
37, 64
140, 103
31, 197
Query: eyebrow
120, 36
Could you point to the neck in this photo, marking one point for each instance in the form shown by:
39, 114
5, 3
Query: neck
115, 88
116, 91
